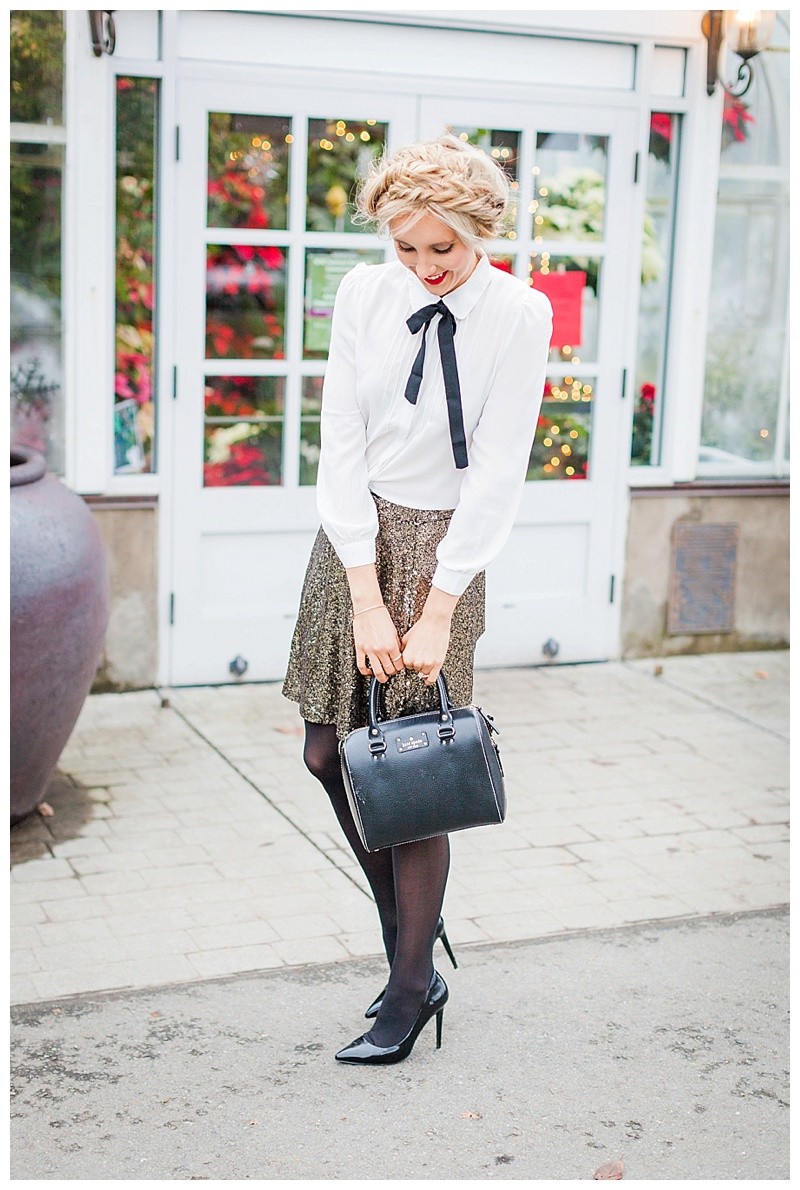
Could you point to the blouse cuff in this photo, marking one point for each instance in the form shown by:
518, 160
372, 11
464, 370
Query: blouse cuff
454, 582
356, 553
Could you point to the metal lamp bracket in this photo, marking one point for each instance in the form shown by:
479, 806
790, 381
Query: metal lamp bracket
103, 33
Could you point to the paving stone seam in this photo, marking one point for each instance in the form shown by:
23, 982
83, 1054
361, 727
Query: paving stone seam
20, 1009
330, 859
717, 706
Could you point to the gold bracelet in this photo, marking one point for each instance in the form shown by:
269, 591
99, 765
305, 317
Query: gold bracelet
368, 609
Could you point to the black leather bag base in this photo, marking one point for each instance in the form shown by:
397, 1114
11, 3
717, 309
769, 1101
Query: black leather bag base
422, 775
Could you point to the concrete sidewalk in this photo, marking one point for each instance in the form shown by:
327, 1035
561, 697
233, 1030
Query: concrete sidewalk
189, 842
622, 945
662, 1045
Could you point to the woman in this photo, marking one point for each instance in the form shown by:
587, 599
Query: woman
434, 380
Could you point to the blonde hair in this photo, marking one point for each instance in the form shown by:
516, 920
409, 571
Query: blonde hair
448, 178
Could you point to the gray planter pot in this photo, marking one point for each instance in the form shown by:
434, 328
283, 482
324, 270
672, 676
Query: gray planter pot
59, 615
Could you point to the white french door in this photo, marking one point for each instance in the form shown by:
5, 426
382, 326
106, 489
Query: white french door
554, 590
263, 235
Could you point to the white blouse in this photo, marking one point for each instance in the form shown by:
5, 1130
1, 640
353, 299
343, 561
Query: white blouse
374, 440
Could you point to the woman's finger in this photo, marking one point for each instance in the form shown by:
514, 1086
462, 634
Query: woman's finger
378, 670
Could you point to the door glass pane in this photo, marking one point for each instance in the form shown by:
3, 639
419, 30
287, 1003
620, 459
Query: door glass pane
502, 147
245, 301
243, 430
339, 153
572, 285
136, 270
248, 170
37, 401
37, 66
661, 176
569, 186
563, 431
325, 268
311, 405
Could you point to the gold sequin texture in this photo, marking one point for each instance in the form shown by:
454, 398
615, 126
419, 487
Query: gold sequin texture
321, 674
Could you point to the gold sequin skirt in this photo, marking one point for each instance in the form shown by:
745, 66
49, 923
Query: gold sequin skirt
321, 674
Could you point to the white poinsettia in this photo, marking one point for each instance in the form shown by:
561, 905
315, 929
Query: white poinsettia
219, 450
573, 206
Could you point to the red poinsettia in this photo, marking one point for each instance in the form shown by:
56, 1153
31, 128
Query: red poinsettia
735, 117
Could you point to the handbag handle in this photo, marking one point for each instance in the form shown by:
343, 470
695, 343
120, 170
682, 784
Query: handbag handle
377, 740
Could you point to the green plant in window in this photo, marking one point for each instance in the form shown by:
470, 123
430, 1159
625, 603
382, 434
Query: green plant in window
134, 341
247, 173
339, 153
643, 418
36, 65
561, 445
575, 209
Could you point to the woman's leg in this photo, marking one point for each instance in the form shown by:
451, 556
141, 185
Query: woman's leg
321, 756
420, 876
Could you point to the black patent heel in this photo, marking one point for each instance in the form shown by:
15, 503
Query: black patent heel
442, 936
363, 1052
374, 1007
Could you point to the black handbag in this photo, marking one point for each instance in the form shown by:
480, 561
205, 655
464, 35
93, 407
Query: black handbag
424, 774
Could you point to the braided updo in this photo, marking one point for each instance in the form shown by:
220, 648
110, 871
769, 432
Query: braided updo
454, 181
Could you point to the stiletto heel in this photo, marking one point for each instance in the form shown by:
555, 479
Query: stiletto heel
442, 936
362, 1052
374, 1007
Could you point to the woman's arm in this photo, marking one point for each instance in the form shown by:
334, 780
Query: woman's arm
346, 509
374, 633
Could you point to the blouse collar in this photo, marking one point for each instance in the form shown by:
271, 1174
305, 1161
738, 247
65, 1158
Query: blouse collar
462, 299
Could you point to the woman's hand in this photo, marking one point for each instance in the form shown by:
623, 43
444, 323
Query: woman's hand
374, 634
426, 642
376, 641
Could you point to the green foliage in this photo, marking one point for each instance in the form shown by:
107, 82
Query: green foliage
37, 65
737, 394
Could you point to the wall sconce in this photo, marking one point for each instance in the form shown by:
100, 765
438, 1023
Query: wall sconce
744, 31
102, 31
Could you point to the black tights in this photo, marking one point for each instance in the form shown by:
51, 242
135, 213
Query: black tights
408, 884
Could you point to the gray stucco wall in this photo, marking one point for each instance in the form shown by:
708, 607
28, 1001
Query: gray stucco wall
762, 570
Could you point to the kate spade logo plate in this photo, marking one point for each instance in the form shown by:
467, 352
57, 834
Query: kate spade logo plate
411, 742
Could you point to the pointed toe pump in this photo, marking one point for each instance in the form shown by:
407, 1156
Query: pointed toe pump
372, 1011
362, 1052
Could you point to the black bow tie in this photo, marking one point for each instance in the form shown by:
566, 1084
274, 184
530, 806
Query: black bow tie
447, 350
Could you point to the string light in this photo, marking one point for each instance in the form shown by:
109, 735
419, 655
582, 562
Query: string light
365, 135
325, 144
569, 470
289, 138
764, 433
547, 441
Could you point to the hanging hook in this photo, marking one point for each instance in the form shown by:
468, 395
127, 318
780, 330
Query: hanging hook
102, 31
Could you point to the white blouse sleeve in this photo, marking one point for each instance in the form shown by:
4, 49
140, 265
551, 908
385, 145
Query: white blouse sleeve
499, 452
346, 508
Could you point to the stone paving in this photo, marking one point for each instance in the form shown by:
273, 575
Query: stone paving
188, 841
